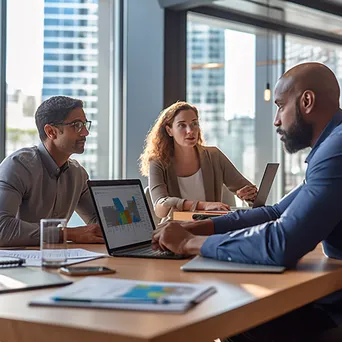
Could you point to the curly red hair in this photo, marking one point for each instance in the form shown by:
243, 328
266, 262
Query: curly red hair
158, 144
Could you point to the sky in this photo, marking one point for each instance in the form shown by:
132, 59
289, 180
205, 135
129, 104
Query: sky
239, 74
25, 39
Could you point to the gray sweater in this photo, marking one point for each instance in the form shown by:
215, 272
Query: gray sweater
33, 187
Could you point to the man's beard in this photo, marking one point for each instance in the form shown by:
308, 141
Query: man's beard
299, 135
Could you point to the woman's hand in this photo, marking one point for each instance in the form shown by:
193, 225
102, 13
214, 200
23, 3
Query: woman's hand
247, 193
216, 206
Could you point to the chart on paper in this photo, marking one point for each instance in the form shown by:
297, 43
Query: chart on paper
123, 214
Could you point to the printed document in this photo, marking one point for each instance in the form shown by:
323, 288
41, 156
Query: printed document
99, 292
33, 257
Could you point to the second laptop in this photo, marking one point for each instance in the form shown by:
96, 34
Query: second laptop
125, 219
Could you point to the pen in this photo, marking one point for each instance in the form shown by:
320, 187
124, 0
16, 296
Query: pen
219, 212
115, 300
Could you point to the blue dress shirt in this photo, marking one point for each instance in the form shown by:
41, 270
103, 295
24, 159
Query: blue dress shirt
283, 233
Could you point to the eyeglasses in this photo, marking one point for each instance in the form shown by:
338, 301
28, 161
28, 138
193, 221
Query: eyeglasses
78, 125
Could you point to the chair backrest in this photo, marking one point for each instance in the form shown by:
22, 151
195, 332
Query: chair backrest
156, 219
228, 197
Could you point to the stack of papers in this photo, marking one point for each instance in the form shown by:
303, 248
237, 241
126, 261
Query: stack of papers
109, 293
34, 258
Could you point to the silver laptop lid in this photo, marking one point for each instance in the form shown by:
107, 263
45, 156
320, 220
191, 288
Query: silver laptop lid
266, 184
123, 213
201, 264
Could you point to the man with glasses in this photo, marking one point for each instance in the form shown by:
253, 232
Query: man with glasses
43, 182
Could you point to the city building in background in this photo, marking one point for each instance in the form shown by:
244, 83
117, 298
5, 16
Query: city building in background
56, 53
222, 69
21, 128
71, 61
227, 120
206, 83
60, 48
228, 65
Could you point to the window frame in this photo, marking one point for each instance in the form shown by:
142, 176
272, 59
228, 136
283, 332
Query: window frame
110, 47
176, 89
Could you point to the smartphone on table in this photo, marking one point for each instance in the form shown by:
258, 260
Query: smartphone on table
85, 270
198, 217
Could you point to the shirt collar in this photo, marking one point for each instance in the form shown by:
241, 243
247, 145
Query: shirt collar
332, 124
49, 162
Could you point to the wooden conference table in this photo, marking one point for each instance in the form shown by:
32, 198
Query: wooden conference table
241, 302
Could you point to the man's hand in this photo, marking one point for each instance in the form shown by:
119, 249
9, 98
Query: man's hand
86, 234
203, 227
172, 236
247, 193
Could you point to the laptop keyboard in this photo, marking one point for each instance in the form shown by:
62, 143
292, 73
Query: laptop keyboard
150, 253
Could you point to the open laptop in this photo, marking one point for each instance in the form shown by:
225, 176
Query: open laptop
265, 187
125, 219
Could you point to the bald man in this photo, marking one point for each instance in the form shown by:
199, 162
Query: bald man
308, 115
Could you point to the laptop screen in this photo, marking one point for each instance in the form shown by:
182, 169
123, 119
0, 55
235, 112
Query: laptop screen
123, 213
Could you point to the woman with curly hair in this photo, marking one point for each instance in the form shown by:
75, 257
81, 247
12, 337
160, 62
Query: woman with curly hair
183, 173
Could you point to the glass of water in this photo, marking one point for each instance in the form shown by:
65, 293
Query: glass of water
53, 245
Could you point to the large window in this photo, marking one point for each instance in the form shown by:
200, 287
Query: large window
52, 52
300, 50
224, 98
217, 44
227, 69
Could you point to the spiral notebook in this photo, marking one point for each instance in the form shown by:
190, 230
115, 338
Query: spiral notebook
10, 262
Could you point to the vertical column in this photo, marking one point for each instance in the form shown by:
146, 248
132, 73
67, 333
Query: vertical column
105, 153
143, 82
175, 51
267, 148
3, 26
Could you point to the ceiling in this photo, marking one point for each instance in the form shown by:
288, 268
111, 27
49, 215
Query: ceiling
320, 20
288, 12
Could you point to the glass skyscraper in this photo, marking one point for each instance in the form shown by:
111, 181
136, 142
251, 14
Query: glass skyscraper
206, 84
206, 88
71, 61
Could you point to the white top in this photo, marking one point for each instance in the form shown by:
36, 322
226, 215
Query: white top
192, 187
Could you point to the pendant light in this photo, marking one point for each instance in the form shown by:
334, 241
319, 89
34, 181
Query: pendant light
267, 91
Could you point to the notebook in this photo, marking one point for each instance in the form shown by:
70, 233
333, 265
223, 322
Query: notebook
125, 219
201, 264
109, 293
265, 187
22, 278
10, 262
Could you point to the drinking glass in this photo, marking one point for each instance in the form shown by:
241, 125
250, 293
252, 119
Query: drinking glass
53, 242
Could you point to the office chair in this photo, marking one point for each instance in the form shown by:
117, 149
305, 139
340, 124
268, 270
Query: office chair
332, 335
228, 197
155, 218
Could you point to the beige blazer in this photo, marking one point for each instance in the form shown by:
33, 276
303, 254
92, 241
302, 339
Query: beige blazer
217, 170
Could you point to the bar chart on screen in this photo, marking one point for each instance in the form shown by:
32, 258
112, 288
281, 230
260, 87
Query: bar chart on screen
123, 214
118, 214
